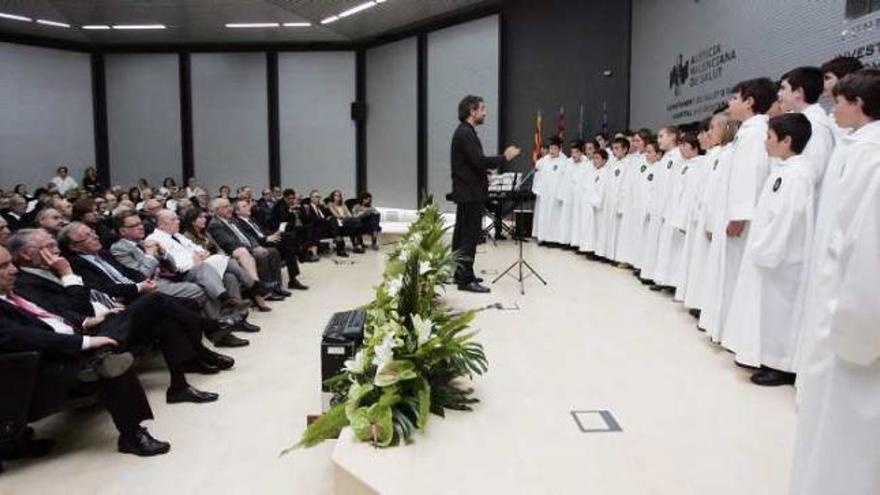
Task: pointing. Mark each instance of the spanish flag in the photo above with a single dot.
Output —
(539, 139)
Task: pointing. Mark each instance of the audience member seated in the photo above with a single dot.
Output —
(17, 216)
(263, 209)
(63, 182)
(73, 364)
(85, 211)
(232, 240)
(90, 181)
(370, 218)
(348, 224)
(4, 232)
(194, 226)
(50, 220)
(321, 224)
(286, 243)
(48, 282)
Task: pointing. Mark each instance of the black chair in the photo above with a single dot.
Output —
(18, 373)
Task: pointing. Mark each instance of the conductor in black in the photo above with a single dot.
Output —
(470, 187)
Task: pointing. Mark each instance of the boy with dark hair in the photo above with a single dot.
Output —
(759, 328)
(668, 176)
(799, 91)
(547, 173)
(833, 71)
(839, 353)
(749, 166)
(611, 208)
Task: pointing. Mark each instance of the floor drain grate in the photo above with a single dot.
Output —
(597, 421)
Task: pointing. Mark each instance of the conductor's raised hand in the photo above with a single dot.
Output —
(511, 152)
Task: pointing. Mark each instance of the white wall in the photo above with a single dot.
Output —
(143, 118)
(315, 91)
(46, 117)
(230, 121)
(462, 60)
(392, 124)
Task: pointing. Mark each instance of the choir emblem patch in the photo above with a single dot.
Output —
(651, 176)
(644, 167)
(715, 165)
(596, 179)
(684, 170)
(555, 167)
(669, 165)
(777, 184)
(617, 172)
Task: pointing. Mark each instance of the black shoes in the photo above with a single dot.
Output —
(274, 297)
(189, 394)
(220, 361)
(358, 250)
(296, 284)
(201, 367)
(342, 254)
(768, 377)
(245, 326)
(230, 340)
(141, 443)
(282, 292)
(694, 312)
(106, 365)
(474, 287)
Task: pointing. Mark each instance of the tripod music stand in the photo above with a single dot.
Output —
(518, 194)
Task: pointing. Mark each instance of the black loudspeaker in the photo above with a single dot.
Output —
(358, 111)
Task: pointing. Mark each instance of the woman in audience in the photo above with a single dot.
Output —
(142, 184)
(369, 217)
(90, 180)
(168, 188)
(351, 226)
(134, 195)
(224, 192)
(194, 226)
(192, 187)
(63, 182)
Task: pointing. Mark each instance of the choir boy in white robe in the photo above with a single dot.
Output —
(648, 190)
(547, 173)
(695, 181)
(799, 91)
(567, 194)
(600, 183)
(617, 169)
(721, 133)
(587, 218)
(668, 139)
(691, 176)
(580, 169)
(556, 228)
(632, 202)
(833, 71)
(760, 328)
(749, 168)
(839, 417)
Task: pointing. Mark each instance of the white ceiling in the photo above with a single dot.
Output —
(202, 21)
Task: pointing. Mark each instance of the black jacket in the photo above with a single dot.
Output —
(22, 332)
(225, 237)
(95, 278)
(73, 303)
(469, 166)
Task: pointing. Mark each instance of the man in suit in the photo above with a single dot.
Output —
(289, 211)
(25, 327)
(4, 231)
(470, 187)
(230, 238)
(47, 280)
(50, 220)
(17, 216)
(321, 224)
(285, 242)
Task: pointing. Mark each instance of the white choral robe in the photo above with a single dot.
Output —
(660, 173)
(578, 176)
(838, 429)
(648, 188)
(749, 167)
(694, 176)
(554, 226)
(587, 233)
(600, 191)
(699, 243)
(611, 207)
(671, 193)
(760, 327)
(566, 194)
(821, 143)
(715, 265)
(632, 210)
(544, 187)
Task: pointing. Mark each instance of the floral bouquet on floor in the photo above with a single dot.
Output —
(416, 349)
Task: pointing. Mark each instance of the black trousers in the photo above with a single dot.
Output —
(468, 223)
(289, 249)
(269, 266)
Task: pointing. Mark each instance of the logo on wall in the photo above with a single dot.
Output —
(678, 75)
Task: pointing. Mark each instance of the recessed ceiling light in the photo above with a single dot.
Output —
(330, 19)
(138, 26)
(96, 27)
(252, 24)
(52, 23)
(359, 8)
(15, 17)
(297, 24)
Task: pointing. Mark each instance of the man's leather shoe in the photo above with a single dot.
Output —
(768, 377)
(230, 340)
(245, 326)
(342, 254)
(296, 284)
(274, 297)
(106, 365)
(694, 312)
(201, 367)
(221, 361)
(189, 394)
(478, 280)
(358, 250)
(142, 443)
(474, 287)
(283, 292)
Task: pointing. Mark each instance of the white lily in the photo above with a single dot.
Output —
(423, 328)
(424, 267)
(384, 352)
(357, 365)
(394, 286)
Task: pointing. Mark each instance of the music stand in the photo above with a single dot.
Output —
(518, 194)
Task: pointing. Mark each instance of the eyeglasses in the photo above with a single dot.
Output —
(133, 226)
(89, 235)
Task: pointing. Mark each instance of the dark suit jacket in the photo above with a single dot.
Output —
(21, 332)
(225, 237)
(26, 220)
(72, 303)
(309, 215)
(95, 278)
(256, 235)
(469, 166)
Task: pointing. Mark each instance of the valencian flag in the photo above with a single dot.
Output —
(539, 138)
(560, 123)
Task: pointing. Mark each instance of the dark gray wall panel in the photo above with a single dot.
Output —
(143, 115)
(317, 134)
(46, 102)
(392, 124)
(230, 122)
